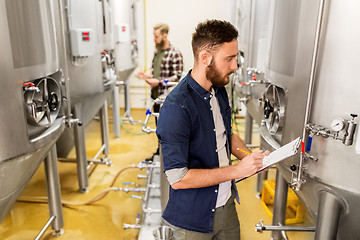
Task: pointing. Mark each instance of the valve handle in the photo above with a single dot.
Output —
(302, 147)
(29, 83)
(147, 112)
(308, 145)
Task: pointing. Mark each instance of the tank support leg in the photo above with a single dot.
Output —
(328, 217)
(280, 201)
(127, 99)
(79, 135)
(116, 111)
(248, 128)
(53, 190)
(104, 121)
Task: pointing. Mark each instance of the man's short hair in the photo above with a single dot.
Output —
(211, 34)
(164, 28)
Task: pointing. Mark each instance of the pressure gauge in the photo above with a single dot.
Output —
(337, 124)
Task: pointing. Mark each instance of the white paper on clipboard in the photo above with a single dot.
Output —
(282, 153)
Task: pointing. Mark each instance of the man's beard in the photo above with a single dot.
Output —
(214, 75)
(160, 45)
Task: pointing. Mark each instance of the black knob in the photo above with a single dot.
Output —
(268, 109)
(53, 101)
(79, 124)
(293, 168)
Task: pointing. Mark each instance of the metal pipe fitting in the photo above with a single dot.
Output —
(260, 227)
(131, 226)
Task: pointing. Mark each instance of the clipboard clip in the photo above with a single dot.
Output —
(296, 145)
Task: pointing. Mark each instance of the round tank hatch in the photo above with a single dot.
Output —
(274, 108)
(42, 101)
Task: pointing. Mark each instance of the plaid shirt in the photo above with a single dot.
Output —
(171, 66)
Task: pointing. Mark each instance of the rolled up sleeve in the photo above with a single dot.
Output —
(175, 175)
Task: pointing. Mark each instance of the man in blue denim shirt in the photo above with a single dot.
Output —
(194, 129)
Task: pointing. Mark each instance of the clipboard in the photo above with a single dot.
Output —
(279, 155)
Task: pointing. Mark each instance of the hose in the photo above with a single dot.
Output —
(94, 199)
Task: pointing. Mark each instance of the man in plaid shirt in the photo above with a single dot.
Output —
(166, 64)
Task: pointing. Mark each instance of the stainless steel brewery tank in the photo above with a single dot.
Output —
(31, 93)
(312, 51)
(88, 89)
(252, 20)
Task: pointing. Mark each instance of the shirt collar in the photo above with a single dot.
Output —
(166, 49)
(203, 93)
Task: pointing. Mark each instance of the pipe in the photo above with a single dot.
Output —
(250, 34)
(101, 194)
(145, 209)
(41, 233)
(145, 50)
(285, 228)
(65, 67)
(328, 217)
(319, 27)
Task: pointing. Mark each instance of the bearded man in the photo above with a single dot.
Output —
(167, 64)
(194, 129)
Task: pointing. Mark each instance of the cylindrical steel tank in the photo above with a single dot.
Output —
(313, 52)
(88, 89)
(125, 37)
(31, 96)
(252, 21)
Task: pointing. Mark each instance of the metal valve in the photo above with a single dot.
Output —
(350, 130)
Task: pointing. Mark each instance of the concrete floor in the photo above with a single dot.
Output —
(105, 219)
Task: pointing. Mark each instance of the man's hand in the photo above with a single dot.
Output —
(251, 164)
(153, 82)
(143, 75)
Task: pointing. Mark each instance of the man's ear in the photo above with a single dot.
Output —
(205, 57)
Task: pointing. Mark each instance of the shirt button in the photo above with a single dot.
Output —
(205, 98)
(211, 95)
(214, 130)
(215, 150)
(213, 210)
(216, 191)
(211, 109)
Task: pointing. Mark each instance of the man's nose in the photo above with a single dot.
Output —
(234, 65)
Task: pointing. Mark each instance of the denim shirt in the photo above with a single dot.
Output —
(186, 131)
